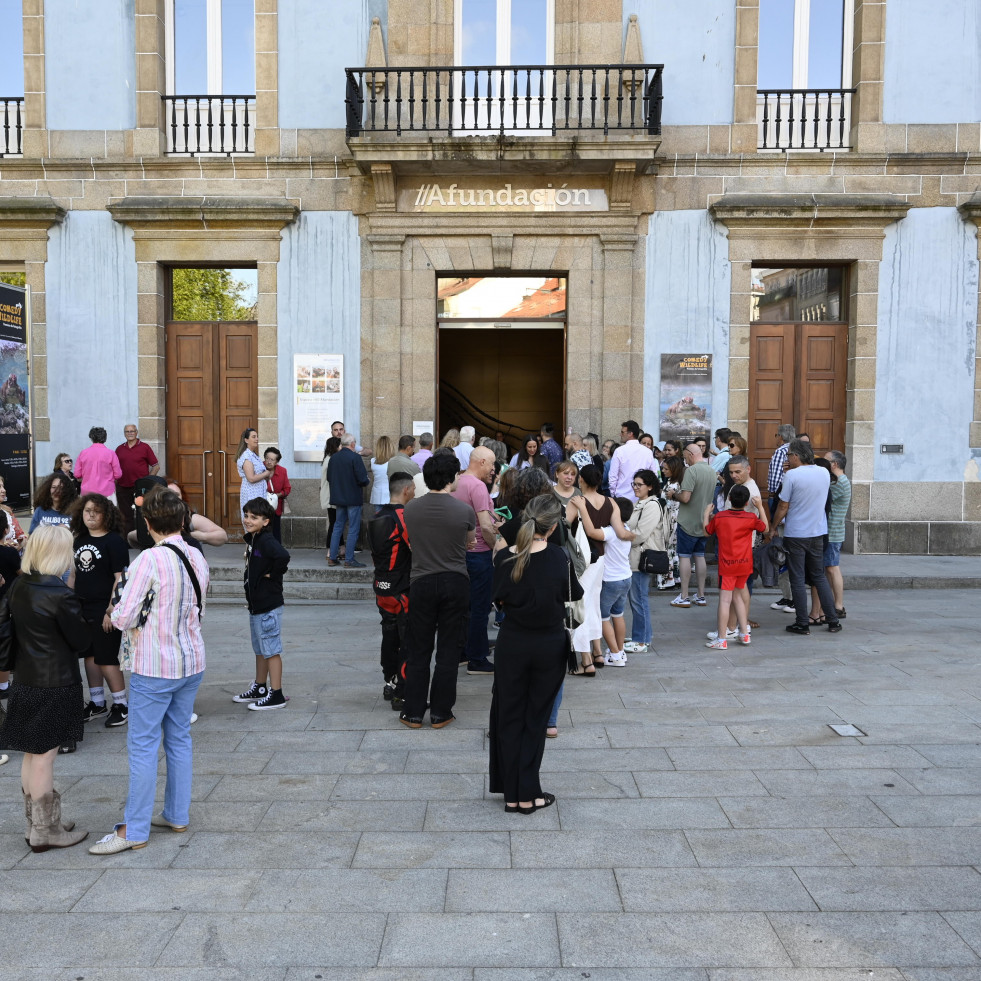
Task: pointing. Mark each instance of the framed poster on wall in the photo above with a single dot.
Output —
(15, 408)
(686, 396)
(318, 399)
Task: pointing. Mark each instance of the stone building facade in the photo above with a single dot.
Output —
(104, 198)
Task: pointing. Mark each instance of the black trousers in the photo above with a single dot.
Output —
(438, 618)
(805, 564)
(529, 667)
(394, 611)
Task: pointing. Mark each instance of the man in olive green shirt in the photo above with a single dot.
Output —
(696, 493)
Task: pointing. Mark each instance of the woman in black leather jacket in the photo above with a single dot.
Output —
(42, 635)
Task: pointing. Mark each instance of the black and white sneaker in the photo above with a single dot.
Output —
(256, 692)
(91, 710)
(274, 700)
(786, 605)
(118, 716)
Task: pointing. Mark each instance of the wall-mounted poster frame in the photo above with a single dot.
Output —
(16, 421)
(686, 396)
(318, 399)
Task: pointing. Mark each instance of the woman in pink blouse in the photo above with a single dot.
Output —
(97, 467)
(164, 596)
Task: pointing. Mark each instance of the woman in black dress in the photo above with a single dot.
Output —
(42, 635)
(532, 582)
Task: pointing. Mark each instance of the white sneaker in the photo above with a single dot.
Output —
(633, 647)
(194, 717)
(714, 634)
(745, 639)
(717, 645)
(616, 662)
(700, 601)
(786, 606)
(681, 601)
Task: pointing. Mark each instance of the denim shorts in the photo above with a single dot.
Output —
(613, 598)
(266, 629)
(689, 545)
(832, 554)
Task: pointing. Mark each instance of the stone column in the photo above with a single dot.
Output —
(267, 136)
(35, 138)
(151, 79)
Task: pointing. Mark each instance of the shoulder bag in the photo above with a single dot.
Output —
(572, 661)
(655, 560)
(271, 496)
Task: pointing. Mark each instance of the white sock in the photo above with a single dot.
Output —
(119, 698)
(98, 696)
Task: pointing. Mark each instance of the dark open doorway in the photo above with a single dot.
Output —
(507, 379)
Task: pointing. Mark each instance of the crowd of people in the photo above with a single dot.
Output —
(520, 567)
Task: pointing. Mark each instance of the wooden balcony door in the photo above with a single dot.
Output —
(797, 374)
(212, 395)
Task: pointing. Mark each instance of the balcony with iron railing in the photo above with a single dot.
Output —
(209, 125)
(11, 126)
(602, 110)
(804, 119)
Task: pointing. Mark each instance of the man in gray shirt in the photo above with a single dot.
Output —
(440, 528)
(803, 498)
(402, 461)
(696, 493)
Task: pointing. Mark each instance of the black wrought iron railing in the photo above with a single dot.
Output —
(804, 119)
(457, 410)
(504, 99)
(210, 124)
(11, 126)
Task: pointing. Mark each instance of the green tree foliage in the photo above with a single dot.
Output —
(214, 294)
(13, 278)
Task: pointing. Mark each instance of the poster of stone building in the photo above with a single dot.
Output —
(15, 416)
(686, 396)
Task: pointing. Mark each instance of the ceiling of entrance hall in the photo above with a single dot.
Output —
(504, 297)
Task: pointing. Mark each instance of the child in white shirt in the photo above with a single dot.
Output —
(616, 588)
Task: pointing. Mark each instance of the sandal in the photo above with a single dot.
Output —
(818, 621)
(753, 625)
(582, 672)
(549, 801)
(599, 662)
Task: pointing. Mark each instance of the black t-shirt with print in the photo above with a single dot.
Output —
(97, 560)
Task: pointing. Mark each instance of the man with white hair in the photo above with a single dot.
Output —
(465, 447)
(472, 489)
(347, 478)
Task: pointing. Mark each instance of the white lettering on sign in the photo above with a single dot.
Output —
(547, 198)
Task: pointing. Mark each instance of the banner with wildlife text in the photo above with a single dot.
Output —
(15, 410)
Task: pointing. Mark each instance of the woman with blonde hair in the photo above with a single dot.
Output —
(533, 580)
(451, 440)
(384, 451)
(42, 635)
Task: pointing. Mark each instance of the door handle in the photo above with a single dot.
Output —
(204, 478)
(224, 486)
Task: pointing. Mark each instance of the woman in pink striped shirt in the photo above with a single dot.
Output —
(161, 602)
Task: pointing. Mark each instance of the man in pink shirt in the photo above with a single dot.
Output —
(628, 458)
(472, 489)
(97, 467)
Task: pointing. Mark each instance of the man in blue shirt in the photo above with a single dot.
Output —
(551, 449)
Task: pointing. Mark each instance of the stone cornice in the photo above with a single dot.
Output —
(971, 209)
(810, 210)
(205, 212)
(36, 212)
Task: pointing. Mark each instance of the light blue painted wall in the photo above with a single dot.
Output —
(90, 299)
(90, 64)
(696, 43)
(933, 62)
(322, 40)
(319, 312)
(687, 303)
(928, 305)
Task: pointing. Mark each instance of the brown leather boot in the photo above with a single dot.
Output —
(46, 829)
(67, 825)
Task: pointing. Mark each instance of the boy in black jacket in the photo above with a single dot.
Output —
(265, 562)
(392, 556)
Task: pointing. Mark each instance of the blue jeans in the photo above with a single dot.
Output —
(155, 704)
(553, 717)
(352, 518)
(480, 567)
(640, 607)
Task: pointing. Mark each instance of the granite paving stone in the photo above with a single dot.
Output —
(623, 736)
(142, 890)
(820, 812)
(920, 735)
(532, 891)
(783, 734)
(968, 927)
(822, 783)
(670, 939)
(952, 755)
(647, 813)
(600, 849)
(273, 939)
(313, 786)
(949, 780)
(293, 762)
(44, 891)
(871, 939)
(429, 850)
(862, 757)
(883, 889)
(748, 847)
(808, 974)
(933, 811)
(738, 758)
(366, 815)
(475, 939)
(700, 783)
(910, 846)
(349, 891)
(483, 815)
(712, 890)
(415, 786)
(268, 850)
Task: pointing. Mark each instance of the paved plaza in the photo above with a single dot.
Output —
(710, 826)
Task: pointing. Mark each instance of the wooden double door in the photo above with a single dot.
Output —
(212, 395)
(797, 375)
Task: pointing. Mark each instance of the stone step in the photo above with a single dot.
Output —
(229, 589)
